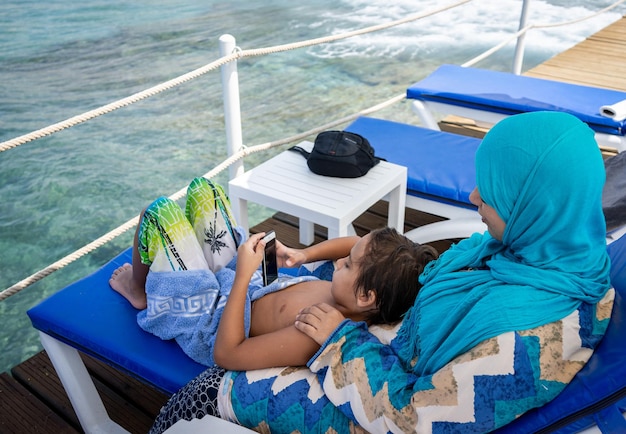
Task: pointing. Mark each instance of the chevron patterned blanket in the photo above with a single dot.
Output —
(357, 384)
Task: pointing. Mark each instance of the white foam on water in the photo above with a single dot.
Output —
(481, 23)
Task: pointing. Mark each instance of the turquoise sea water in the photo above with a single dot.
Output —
(59, 59)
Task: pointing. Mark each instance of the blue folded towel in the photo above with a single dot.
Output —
(187, 305)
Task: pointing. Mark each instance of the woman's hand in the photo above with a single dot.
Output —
(250, 255)
(288, 257)
(318, 321)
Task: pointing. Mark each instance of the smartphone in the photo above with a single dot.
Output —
(270, 266)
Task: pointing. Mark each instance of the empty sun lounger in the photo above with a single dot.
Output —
(489, 96)
(441, 173)
(441, 176)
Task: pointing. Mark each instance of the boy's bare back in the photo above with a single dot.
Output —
(278, 310)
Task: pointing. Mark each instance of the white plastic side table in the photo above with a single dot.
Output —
(285, 183)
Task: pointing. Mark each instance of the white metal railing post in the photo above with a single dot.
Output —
(518, 60)
(232, 109)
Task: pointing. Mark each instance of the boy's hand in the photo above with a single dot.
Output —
(318, 321)
(250, 255)
(288, 257)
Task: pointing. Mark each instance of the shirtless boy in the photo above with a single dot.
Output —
(375, 280)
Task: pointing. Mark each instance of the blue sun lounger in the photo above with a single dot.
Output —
(88, 316)
(489, 96)
(596, 397)
(440, 173)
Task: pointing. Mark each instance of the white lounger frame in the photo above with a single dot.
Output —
(425, 109)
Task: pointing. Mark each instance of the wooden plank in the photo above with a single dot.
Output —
(579, 77)
(294, 223)
(122, 412)
(600, 47)
(607, 66)
(580, 58)
(615, 32)
(596, 61)
(597, 82)
(21, 411)
(132, 390)
(285, 232)
(40, 378)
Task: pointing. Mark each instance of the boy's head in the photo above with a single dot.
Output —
(390, 267)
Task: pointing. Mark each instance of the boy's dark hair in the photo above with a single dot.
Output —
(390, 267)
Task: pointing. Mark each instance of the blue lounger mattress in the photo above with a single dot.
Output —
(509, 94)
(440, 165)
(90, 316)
(597, 394)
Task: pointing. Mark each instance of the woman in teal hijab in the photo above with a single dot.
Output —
(539, 188)
(544, 184)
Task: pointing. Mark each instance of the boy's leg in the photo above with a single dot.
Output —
(166, 241)
(130, 281)
(139, 269)
(208, 210)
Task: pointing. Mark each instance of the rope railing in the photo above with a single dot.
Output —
(238, 54)
(578, 20)
(246, 151)
(108, 108)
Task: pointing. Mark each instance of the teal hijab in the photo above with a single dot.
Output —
(543, 174)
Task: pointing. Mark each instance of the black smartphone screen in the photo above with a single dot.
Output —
(270, 266)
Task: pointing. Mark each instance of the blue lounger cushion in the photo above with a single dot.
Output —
(509, 94)
(91, 317)
(597, 394)
(440, 165)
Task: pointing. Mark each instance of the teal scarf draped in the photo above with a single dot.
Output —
(543, 174)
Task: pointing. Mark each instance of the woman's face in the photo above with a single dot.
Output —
(495, 225)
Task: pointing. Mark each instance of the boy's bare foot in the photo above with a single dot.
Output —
(122, 282)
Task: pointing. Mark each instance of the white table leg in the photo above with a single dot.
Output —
(397, 203)
(79, 386)
(240, 211)
(307, 232)
(343, 231)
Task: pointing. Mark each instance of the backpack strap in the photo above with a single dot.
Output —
(302, 151)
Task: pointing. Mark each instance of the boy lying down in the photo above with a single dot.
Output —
(194, 280)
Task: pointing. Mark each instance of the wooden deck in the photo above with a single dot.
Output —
(597, 61)
(32, 399)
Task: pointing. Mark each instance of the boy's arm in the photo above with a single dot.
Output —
(285, 347)
(333, 249)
